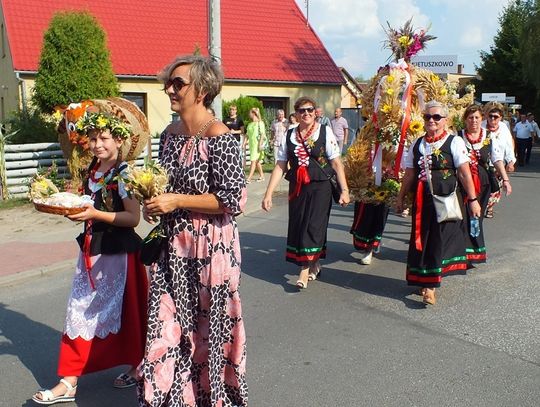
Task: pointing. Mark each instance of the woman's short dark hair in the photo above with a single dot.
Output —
(472, 109)
(303, 100)
(205, 75)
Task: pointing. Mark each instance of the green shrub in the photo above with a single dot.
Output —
(244, 105)
(74, 63)
(31, 126)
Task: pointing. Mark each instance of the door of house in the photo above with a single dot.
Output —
(272, 105)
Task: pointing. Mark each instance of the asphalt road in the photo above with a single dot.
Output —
(357, 337)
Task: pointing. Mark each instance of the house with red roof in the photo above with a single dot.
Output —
(268, 50)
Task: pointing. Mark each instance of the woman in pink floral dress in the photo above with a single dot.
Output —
(195, 352)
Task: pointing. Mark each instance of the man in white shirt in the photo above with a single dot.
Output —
(534, 125)
(340, 127)
(524, 134)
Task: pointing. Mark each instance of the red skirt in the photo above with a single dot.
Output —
(79, 356)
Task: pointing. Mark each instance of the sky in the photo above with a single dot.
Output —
(352, 30)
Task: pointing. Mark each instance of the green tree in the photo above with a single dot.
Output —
(501, 69)
(530, 47)
(244, 105)
(74, 63)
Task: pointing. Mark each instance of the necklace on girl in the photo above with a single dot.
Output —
(101, 179)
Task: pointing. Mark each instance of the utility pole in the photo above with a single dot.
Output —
(214, 43)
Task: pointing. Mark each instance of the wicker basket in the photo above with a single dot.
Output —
(57, 210)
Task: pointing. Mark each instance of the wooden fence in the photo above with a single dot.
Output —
(22, 161)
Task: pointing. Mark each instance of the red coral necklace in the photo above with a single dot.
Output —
(470, 138)
(434, 139)
(92, 175)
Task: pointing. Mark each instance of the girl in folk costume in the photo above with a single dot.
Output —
(106, 314)
(482, 151)
(312, 154)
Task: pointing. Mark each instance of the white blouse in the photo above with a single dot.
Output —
(332, 147)
(457, 147)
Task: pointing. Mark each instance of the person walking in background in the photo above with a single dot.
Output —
(312, 155)
(278, 129)
(524, 134)
(534, 125)
(292, 121)
(235, 123)
(340, 127)
(196, 342)
(106, 315)
(436, 249)
(483, 152)
(236, 126)
(500, 135)
(256, 137)
(321, 118)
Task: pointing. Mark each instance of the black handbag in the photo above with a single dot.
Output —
(336, 189)
(152, 245)
(493, 181)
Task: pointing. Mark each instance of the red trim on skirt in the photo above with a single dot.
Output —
(306, 257)
(477, 257)
(78, 356)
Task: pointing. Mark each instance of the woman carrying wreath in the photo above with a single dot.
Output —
(436, 249)
(196, 343)
(312, 154)
(483, 152)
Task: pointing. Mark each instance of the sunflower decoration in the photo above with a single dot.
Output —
(147, 181)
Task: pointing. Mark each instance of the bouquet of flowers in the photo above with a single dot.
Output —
(146, 182)
(41, 188)
(384, 193)
(406, 42)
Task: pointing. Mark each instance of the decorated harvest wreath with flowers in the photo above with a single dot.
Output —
(393, 106)
(99, 121)
(121, 116)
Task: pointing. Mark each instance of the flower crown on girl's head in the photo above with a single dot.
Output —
(100, 121)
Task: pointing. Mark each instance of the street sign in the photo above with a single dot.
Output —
(493, 97)
(510, 99)
(436, 63)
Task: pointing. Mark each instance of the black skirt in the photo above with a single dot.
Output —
(443, 245)
(368, 225)
(309, 213)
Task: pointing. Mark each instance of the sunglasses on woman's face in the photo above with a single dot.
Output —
(303, 110)
(494, 116)
(177, 84)
(437, 117)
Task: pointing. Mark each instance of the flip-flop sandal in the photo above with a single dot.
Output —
(124, 381)
(48, 398)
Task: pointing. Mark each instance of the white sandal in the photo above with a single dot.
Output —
(48, 398)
